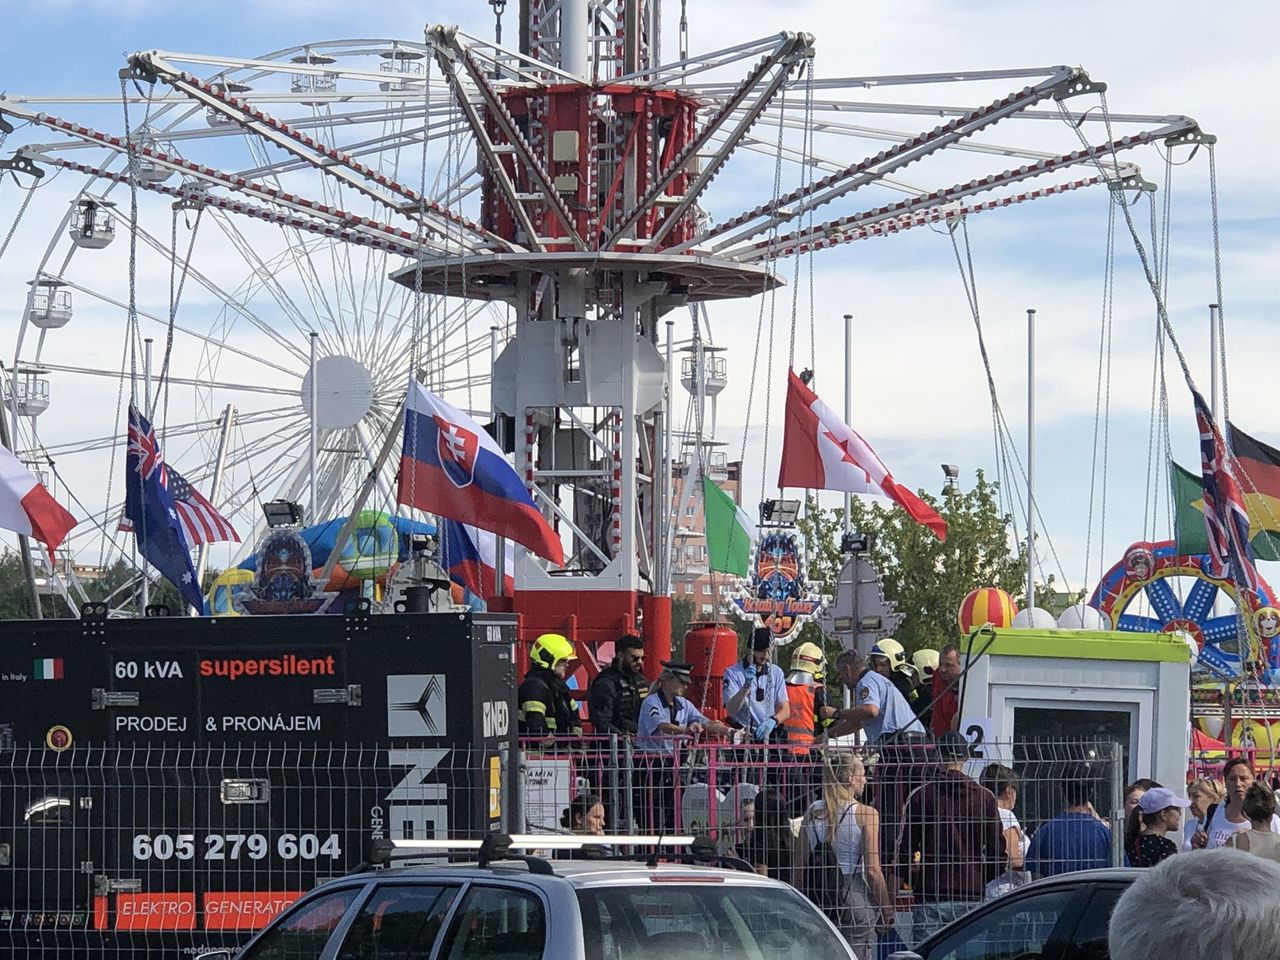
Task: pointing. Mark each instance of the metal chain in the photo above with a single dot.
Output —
(175, 297)
(13, 227)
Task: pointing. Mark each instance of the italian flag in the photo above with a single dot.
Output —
(26, 507)
(50, 668)
(730, 532)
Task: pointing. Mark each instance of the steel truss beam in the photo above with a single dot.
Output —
(771, 71)
(823, 235)
(823, 191)
(448, 50)
(335, 163)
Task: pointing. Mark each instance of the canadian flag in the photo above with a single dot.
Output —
(822, 452)
(27, 507)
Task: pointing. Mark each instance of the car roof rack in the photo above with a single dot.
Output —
(496, 847)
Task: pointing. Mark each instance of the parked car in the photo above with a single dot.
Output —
(532, 908)
(1060, 918)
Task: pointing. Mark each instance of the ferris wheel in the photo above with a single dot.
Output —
(393, 198)
(228, 304)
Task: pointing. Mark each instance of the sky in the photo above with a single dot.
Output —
(919, 394)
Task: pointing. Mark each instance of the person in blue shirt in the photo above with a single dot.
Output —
(879, 710)
(755, 692)
(665, 715)
(1075, 839)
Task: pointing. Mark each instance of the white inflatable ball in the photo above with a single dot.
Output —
(1082, 617)
(1034, 618)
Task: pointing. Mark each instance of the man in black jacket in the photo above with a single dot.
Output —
(616, 694)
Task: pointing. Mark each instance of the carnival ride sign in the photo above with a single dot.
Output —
(776, 595)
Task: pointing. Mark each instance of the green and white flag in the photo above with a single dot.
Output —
(730, 532)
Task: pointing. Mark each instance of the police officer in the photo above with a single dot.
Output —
(755, 691)
(888, 659)
(615, 695)
(879, 710)
(664, 715)
(547, 708)
(807, 698)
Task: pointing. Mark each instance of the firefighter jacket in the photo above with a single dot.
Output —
(614, 700)
(546, 705)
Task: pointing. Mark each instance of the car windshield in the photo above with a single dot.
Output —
(700, 921)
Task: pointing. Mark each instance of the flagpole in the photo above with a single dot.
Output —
(1031, 456)
(24, 544)
(215, 486)
(313, 433)
(146, 407)
(666, 526)
(499, 543)
(848, 399)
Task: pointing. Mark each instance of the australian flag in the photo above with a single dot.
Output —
(1226, 520)
(150, 509)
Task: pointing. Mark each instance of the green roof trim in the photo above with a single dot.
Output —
(1081, 645)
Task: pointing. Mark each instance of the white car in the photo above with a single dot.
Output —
(531, 908)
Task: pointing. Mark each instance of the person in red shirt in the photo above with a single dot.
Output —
(946, 691)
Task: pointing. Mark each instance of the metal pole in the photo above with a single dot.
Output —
(1031, 457)
(668, 523)
(348, 527)
(848, 403)
(146, 405)
(314, 435)
(574, 18)
(500, 543)
(24, 543)
(215, 487)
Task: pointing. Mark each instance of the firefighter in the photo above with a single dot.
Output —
(547, 708)
(887, 659)
(616, 693)
(807, 696)
(926, 662)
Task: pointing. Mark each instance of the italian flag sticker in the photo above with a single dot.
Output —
(47, 669)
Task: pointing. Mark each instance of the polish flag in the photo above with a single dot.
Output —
(27, 507)
(822, 452)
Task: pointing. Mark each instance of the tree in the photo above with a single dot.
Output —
(926, 578)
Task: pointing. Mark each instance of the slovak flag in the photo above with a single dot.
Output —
(452, 468)
(26, 507)
(822, 452)
(471, 557)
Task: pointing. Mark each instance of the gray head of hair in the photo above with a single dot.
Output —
(1212, 903)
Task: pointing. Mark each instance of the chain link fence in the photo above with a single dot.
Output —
(171, 850)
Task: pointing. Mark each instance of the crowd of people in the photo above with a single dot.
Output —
(857, 822)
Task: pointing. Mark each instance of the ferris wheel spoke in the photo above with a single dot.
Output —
(178, 328)
(1163, 601)
(1219, 630)
(1200, 600)
(1133, 623)
(184, 381)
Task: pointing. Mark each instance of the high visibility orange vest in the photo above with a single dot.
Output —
(799, 724)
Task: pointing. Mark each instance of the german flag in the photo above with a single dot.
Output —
(1258, 469)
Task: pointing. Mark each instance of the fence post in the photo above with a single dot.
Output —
(628, 789)
(616, 812)
(1117, 804)
(517, 793)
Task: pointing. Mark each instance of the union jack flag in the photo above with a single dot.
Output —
(1226, 520)
(200, 521)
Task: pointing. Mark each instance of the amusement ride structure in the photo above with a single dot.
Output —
(522, 227)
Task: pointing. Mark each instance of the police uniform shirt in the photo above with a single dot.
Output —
(768, 692)
(895, 713)
(656, 710)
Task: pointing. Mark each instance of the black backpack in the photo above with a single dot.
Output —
(824, 881)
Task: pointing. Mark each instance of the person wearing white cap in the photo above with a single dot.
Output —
(1160, 810)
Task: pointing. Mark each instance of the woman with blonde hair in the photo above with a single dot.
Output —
(1205, 795)
(844, 875)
